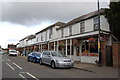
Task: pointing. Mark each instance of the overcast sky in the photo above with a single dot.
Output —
(20, 19)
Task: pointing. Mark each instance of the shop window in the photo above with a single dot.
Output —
(89, 47)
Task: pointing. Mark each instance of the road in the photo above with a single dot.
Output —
(18, 67)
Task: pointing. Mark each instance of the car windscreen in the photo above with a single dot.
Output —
(37, 54)
(56, 54)
(13, 51)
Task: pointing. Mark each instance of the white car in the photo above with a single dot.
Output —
(13, 52)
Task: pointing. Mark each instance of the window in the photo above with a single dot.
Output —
(37, 39)
(82, 27)
(62, 32)
(70, 30)
(41, 37)
(90, 47)
(96, 23)
(50, 33)
(46, 36)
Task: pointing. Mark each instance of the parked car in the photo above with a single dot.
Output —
(13, 53)
(56, 60)
(34, 57)
(1, 52)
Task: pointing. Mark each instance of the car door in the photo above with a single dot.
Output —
(30, 56)
(44, 57)
(48, 58)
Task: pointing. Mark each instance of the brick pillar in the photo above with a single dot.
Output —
(116, 55)
(103, 52)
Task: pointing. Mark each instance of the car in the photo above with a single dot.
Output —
(1, 52)
(13, 53)
(34, 57)
(56, 60)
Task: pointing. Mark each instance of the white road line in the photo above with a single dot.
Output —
(21, 75)
(32, 75)
(10, 66)
(9, 60)
(2, 60)
(17, 65)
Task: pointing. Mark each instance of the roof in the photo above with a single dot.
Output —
(56, 24)
(28, 37)
(84, 17)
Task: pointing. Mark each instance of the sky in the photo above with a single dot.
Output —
(22, 18)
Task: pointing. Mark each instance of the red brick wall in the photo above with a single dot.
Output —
(116, 55)
(103, 52)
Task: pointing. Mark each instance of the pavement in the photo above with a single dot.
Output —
(103, 70)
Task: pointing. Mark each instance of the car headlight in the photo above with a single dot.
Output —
(38, 57)
(72, 60)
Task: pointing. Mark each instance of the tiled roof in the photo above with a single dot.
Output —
(84, 17)
(56, 24)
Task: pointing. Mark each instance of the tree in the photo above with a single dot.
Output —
(113, 17)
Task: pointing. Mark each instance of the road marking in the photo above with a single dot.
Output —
(32, 75)
(22, 72)
(2, 60)
(9, 60)
(17, 65)
(10, 66)
(21, 75)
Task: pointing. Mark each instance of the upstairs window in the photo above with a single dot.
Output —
(62, 32)
(82, 27)
(50, 33)
(46, 36)
(96, 23)
(70, 30)
(41, 37)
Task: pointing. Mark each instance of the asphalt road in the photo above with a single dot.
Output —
(18, 67)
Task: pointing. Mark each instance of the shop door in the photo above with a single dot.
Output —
(109, 59)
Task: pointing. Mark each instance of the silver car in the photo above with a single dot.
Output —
(56, 60)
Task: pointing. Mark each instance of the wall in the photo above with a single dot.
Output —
(116, 55)
(89, 25)
(76, 28)
(104, 24)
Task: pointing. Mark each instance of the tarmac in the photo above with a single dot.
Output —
(103, 71)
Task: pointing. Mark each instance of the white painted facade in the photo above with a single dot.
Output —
(56, 36)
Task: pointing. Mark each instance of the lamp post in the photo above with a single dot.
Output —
(99, 42)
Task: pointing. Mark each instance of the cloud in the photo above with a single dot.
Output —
(20, 19)
(32, 13)
(12, 33)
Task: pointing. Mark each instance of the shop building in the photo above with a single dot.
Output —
(77, 38)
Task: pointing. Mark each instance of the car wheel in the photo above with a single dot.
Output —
(41, 62)
(53, 65)
(28, 60)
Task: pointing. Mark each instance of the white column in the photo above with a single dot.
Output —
(57, 45)
(48, 46)
(54, 45)
(66, 47)
(41, 47)
(70, 47)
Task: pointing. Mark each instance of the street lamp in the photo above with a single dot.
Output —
(99, 42)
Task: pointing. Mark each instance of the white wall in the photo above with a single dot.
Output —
(76, 28)
(104, 24)
(66, 31)
(89, 25)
